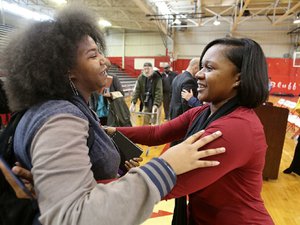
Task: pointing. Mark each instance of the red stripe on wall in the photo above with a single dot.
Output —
(285, 78)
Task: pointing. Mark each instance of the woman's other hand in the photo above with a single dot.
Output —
(135, 162)
(109, 130)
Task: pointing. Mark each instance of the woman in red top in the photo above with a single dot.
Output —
(233, 80)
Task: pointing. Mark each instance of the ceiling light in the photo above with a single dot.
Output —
(162, 8)
(216, 22)
(60, 2)
(177, 22)
(23, 12)
(104, 23)
(297, 19)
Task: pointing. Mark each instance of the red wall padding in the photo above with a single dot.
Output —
(5, 118)
(129, 63)
(285, 78)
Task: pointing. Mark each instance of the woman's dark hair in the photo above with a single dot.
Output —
(3, 100)
(250, 61)
(38, 59)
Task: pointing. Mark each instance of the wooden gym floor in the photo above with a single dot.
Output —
(281, 196)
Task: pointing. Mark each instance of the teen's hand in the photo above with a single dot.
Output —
(185, 156)
(109, 130)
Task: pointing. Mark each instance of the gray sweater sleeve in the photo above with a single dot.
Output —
(67, 192)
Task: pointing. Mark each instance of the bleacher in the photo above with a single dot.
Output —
(4, 35)
(127, 81)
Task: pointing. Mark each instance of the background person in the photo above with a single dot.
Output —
(233, 79)
(150, 91)
(187, 81)
(167, 78)
(109, 105)
(295, 164)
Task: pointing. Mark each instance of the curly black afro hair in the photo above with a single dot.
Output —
(37, 59)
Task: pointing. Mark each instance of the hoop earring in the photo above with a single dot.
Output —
(73, 87)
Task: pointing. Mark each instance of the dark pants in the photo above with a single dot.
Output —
(141, 107)
(103, 120)
(180, 211)
(166, 101)
(295, 165)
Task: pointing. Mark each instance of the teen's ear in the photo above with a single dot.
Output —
(71, 74)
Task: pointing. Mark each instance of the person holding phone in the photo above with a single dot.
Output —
(56, 78)
(22, 190)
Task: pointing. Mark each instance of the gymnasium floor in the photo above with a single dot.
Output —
(281, 196)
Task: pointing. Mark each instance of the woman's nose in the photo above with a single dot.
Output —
(199, 74)
(102, 60)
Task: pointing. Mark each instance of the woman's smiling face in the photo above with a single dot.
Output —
(218, 79)
(89, 73)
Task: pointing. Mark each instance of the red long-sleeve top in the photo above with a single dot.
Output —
(228, 194)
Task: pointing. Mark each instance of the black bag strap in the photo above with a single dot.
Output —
(7, 135)
(84, 108)
(91, 138)
(203, 120)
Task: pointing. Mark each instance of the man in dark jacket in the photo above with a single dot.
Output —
(186, 81)
(167, 79)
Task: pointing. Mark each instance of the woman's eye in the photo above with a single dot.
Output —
(93, 56)
(208, 68)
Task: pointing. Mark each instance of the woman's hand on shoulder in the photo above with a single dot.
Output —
(186, 156)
